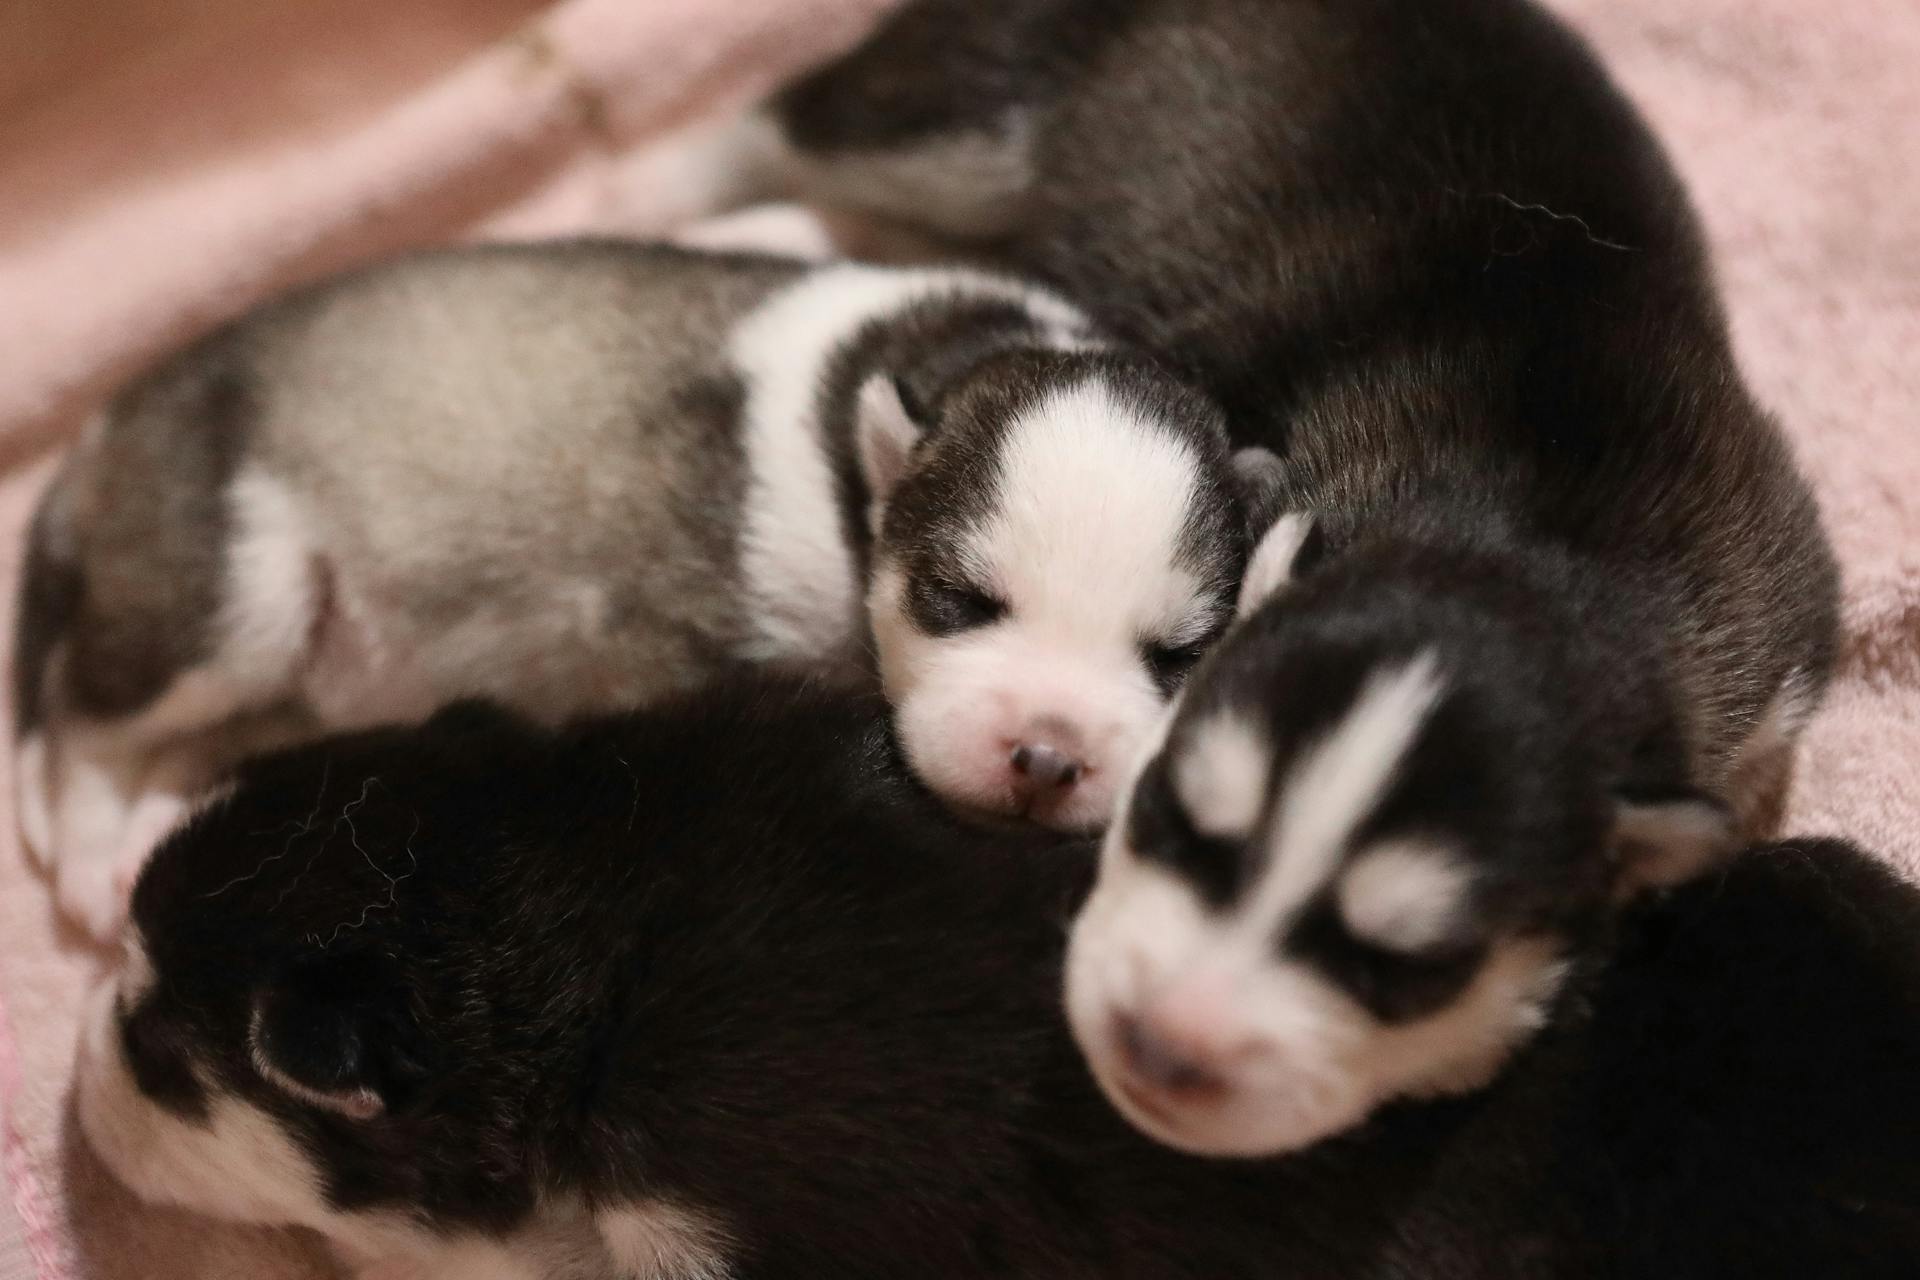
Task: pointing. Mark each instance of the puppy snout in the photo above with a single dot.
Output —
(1045, 761)
(1041, 766)
(1168, 1063)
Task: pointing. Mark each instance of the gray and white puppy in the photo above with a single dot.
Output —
(1552, 601)
(579, 476)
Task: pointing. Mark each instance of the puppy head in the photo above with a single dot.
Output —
(272, 1048)
(1355, 865)
(1056, 542)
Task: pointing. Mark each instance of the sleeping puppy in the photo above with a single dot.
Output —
(1549, 604)
(575, 477)
(716, 990)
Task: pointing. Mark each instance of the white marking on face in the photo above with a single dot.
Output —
(1220, 775)
(1336, 783)
(1297, 1057)
(1403, 895)
(799, 575)
(1271, 565)
(660, 1240)
(1082, 544)
(237, 1165)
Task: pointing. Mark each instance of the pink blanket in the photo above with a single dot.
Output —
(181, 172)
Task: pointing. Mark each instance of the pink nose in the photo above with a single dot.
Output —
(1165, 1063)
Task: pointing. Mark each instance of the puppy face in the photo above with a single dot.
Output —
(1350, 872)
(1058, 548)
(257, 1057)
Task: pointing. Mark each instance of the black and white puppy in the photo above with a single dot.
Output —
(1562, 602)
(717, 991)
(575, 477)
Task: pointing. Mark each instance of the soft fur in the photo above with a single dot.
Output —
(1428, 254)
(576, 477)
(720, 984)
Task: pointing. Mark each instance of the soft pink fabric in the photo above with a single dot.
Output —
(1795, 124)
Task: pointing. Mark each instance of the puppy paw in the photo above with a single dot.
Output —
(789, 230)
(90, 892)
(33, 798)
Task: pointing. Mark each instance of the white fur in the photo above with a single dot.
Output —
(240, 1165)
(1301, 1059)
(1403, 894)
(799, 578)
(659, 1240)
(1271, 565)
(136, 970)
(1336, 783)
(1221, 776)
(33, 794)
(1080, 542)
(271, 591)
(790, 230)
(237, 1165)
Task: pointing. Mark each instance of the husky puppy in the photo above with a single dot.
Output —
(718, 988)
(1560, 602)
(579, 476)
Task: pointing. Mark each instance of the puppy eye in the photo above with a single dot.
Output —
(1169, 664)
(947, 608)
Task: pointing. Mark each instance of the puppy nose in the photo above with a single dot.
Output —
(1042, 766)
(1164, 1063)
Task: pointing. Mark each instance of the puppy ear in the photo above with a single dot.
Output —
(1260, 477)
(1666, 840)
(887, 424)
(1288, 549)
(332, 1031)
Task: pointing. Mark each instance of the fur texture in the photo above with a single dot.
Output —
(1431, 257)
(583, 476)
(720, 980)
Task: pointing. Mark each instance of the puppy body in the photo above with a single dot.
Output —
(720, 982)
(579, 477)
(1546, 587)
(1429, 255)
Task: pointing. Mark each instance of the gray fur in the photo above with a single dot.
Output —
(568, 478)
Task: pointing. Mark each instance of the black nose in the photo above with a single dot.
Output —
(1045, 767)
(1157, 1061)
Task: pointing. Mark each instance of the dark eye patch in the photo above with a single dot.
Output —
(1160, 832)
(1394, 986)
(944, 607)
(158, 1057)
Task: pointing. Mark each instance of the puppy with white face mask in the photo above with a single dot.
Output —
(576, 477)
(1561, 602)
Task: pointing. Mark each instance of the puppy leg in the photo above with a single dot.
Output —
(789, 230)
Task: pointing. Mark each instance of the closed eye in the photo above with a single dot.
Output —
(946, 608)
(1169, 664)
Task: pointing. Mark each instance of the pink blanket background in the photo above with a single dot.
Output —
(164, 164)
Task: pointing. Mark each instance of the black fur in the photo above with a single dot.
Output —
(1422, 248)
(726, 952)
